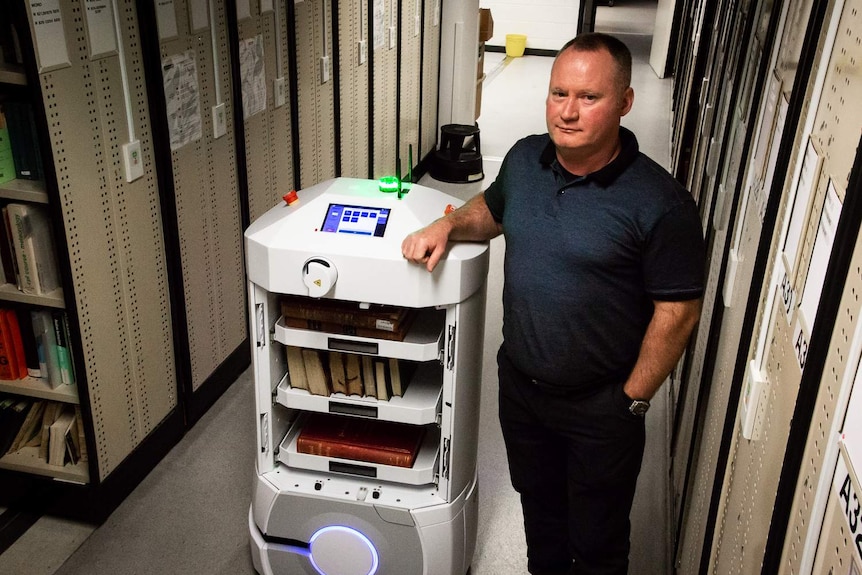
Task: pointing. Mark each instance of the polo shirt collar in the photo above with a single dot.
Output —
(628, 152)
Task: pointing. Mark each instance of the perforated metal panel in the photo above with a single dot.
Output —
(114, 234)
(207, 205)
(741, 538)
(837, 121)
(315, 97)
(385, 86)
(354, 78)
(837, 551)
(733, 527)
(409, 81)
(430, 77)
(268, 142)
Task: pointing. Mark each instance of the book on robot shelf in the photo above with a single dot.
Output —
(360, 439)
(347, 318)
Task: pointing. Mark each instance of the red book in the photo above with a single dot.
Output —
(10, 320)
(8, 355)
(369, 440)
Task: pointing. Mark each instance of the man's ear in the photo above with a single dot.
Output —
(627, 101)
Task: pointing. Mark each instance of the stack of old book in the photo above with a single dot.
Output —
(52, 429)
(328, 372)
(347, 318)
(359, 439)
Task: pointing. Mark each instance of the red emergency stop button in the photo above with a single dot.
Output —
(291, 197)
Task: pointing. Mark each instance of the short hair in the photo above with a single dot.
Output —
(597, 41)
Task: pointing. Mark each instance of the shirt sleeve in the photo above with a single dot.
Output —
(674, 257)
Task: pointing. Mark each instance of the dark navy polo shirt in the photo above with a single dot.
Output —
(585, 258)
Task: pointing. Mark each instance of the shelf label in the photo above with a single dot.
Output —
(49, 34)
(101, 33)
(846, 486)
(166, 19)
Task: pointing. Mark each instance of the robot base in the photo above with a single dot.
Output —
(319, 536)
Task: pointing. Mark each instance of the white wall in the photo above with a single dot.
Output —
(548, 24)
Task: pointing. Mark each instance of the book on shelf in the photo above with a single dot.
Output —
(7, 252)
(369, 378)
(28, 341)
(13, 412)
(33, 247)
(54, 429)
(10, 47)
(353, 374)
(31, 428)
(338, 316)
(337, 377)
(296, 367)
(324, 373)
(21, 123)
(47, 346)
(360, 439)
(345, 329)
(380, 383)
(49, 416)
(7, 164)
(318, 381)
(58, 444)
(64, 353)
(13, 364)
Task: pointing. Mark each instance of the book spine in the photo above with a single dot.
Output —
(20, 364)
(7, 225)
(373, 319)
(23, 137)
(363, 453)
(43, 329)
(28, 340)
(343, 329)
(23, 254)
(64, 355)
(7, 352)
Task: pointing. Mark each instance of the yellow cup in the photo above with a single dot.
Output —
(515, 44)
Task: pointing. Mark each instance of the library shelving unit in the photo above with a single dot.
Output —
(341, 240)
(32, 192)
(84, 79)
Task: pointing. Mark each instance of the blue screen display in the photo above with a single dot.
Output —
(358, 220)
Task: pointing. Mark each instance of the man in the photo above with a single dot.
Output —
(603, 278)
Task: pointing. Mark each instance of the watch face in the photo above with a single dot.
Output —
(639, 407)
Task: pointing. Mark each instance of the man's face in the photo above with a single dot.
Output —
(585, 102)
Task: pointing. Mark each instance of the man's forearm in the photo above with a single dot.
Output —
(473, 221)
(664, 343)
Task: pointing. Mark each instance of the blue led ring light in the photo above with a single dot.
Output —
(357, 536)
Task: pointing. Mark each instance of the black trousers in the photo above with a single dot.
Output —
(574, 459)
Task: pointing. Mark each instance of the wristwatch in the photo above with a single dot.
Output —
(639, 407)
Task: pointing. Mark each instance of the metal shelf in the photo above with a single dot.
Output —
(25, 191)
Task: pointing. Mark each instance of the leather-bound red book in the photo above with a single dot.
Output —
(369, 440)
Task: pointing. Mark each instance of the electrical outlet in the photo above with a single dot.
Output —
(393, 37)
(324, 69)
(363, 51)
(133, 163)
(279, 92)
(219, 121)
